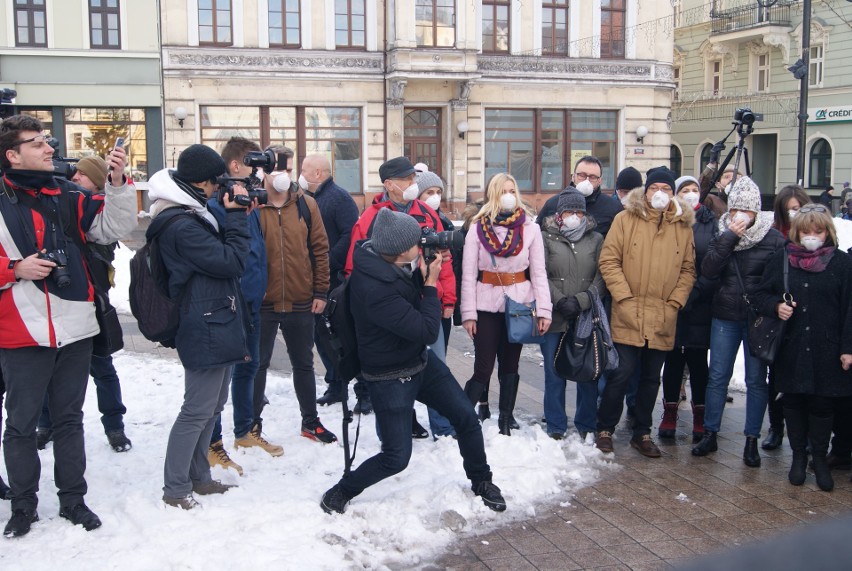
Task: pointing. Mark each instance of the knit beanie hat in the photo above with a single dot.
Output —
(427, 179)
(199, 163)
(660, 174)
(570, 199)
(682, 181)
(95, 168)
(744, 196)
(628, 179)
(394, 232)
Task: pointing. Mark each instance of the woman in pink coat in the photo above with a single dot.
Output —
(503, 255)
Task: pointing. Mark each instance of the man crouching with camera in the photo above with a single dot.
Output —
(397, 315)
(47, 311)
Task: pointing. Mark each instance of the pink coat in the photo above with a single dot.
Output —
(477, 296)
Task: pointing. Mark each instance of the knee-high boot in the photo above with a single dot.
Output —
(508, 396)
(797, 434)
(819, 434)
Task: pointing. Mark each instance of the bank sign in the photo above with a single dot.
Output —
(830, 114)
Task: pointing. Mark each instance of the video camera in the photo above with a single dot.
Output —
(744, 119)
(265, 160)
(62, 166)
(431, 242)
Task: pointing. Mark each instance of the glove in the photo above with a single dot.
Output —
(568, 307)
(715, 151)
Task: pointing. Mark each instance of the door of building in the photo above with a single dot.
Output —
(764, 163)
(422, 137)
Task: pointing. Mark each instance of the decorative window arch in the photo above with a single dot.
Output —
(676, 160)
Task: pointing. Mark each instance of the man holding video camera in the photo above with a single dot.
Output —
(47, 311)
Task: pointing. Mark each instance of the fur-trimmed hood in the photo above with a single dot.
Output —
(678, 210)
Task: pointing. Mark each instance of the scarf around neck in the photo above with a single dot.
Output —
(754, 234)
(804, 259)
(575, 234)
(513, 243)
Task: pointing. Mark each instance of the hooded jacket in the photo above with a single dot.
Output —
(648, 264)
(601, 207)
(40, 313)
(572, 269)
(204, 262)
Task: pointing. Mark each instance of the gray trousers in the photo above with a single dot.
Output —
(63, 375)
(205, 394)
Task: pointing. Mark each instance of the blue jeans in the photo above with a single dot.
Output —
(725, 339)
(242, 386)
(393, 402)
(439, 425)
(554, 394)
(108, 391)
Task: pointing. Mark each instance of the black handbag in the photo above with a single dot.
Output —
(765, 333)
(582, 359)
(110, 338)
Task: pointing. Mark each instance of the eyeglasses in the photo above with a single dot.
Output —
(584, 176)
(813, 208)
(45, 137)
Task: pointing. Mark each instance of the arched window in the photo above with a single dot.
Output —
(422, 136)
(820, 164)
(705, 156)
(675, 160)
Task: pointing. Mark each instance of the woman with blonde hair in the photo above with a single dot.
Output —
(503, 256)
(812, 369)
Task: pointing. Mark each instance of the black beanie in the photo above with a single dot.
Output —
(660, 174)
(628, 179)
(199, 163)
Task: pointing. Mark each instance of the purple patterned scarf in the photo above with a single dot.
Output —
(513, 243)
(804, 259)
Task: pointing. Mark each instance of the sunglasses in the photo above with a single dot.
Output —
(813, 208)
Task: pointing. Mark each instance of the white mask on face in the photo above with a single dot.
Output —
(812, 243)
(508, 202)
(303, 182)
(792, 214)
(742, 217)
(259, 175)
(623, 199)
(282, 182)
(434, 201)
(571, 222)
(411, 192)
(660, 200)
(410, 267)
(691, 198)
(586, 188)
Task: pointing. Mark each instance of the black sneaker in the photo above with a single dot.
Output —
(491, 496)
(20, 522)
(334, 500)
(5, 491)
(43, 436)
(316, 431)
(417, 430)
(80, 514)
(118, 440)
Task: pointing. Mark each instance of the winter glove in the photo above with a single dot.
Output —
(568, 307)
(715, 151)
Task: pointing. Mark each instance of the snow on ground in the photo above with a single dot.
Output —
(273, 519)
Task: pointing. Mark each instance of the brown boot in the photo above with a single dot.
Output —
(645, 446)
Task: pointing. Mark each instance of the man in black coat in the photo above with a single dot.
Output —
(397, 315)
(587, 179)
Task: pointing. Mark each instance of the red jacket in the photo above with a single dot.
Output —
(427, 218)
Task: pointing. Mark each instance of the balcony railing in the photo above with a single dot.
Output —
(751, 16)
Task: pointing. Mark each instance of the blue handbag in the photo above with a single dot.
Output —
(521, 322)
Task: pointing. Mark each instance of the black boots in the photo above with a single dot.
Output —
(697, 423)
(751, 457)
(474, 391)
(707, 445)
(797, 434)
(333, 394)
(819, 434)
(773, 438)
(508, 396)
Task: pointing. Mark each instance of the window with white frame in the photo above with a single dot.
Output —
(715, 69)
(762, 64)
(676, 71)
(815, 68)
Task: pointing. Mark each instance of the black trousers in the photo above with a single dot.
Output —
(699, 371)
(29, 374)
(650, 362)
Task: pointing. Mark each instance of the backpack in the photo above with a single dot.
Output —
(338, 331)
(157, 314)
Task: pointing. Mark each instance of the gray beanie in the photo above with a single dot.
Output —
(571, 199)
(744, 196)
(426, 180)
(682, 181)
(394, 232)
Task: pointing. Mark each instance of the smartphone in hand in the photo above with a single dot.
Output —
(118, 143)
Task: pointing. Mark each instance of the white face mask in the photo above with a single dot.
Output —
(623, 199)
(792, 214)
(508, 202)
(812, 243)
(660, 200)
(434, 201)
(571, 222)
(282, 182)
(586, 188)
(303, 182)
(742, 217)
(691, 198)
(260, 175)
(410, 267)
(411, 192)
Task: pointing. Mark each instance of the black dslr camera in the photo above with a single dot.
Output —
(62, 166)
(61, 274)
(256, 160)
(431, 242)
(744, 119)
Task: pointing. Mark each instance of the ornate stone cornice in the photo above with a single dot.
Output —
(272, 60)
(553, 68)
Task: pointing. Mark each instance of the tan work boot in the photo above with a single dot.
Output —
(218, 456)
(253, 438)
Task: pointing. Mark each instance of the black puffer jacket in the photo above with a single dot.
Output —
(693, 321)
(728, 303)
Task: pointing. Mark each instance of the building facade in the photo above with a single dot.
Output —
(735, 53)
(90, 70)
(469, 88)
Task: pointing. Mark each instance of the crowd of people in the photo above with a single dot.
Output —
(677, 267)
